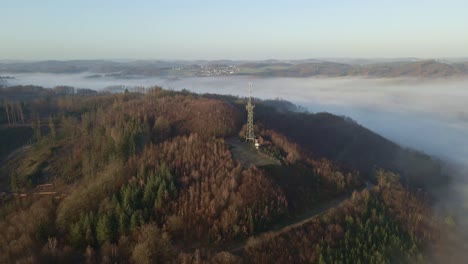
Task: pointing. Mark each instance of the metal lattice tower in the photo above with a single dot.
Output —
(250, 136)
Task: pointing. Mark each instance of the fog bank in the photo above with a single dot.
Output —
(427, 115)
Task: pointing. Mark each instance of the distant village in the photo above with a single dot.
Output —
(207, 71)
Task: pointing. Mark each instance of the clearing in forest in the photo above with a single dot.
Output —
(246, 154)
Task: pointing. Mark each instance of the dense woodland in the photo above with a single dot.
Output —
(146, 177)
(383, 224)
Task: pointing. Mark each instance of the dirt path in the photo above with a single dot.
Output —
(288, 224)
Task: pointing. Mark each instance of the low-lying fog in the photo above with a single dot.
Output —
(428, 115)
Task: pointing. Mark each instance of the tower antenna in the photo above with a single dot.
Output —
(250, 136)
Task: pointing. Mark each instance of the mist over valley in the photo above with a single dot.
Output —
(430, 115)
(425, 114)
(234, 132)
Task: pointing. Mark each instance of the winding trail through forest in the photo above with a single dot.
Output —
(288, 224)
(246, 154)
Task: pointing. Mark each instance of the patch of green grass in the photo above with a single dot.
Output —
(246, 154)
(24, 167)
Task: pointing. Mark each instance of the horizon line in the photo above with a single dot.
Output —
(237, 60)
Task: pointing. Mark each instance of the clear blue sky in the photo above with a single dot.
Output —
(236, 29)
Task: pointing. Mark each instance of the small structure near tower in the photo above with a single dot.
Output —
(250, 135)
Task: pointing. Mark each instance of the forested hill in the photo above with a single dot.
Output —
(405, 67)
(341, 139)
(149, 177)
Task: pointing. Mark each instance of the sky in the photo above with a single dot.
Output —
(149, 29)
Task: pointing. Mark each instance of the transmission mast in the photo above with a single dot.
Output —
(250, 136)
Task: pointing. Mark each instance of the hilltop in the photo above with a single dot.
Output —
(139, 177)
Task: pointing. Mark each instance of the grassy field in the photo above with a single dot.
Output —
(23, 168)
(246, 154)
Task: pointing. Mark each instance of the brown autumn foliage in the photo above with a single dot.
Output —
(384, 224)
(147, 176)
(24, 230)
(218, 199)
(410, 210)
(207, 257)
(292, 150)
(345, 142)
(322, 175)
(325, 168)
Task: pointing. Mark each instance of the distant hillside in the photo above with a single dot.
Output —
(268, 68)
(58, 66)
(428, 68)
(152, 68)
(312, 69)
